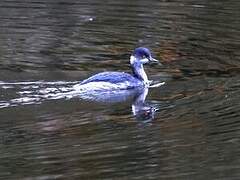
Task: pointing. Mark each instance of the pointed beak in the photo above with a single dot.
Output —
(152, 60)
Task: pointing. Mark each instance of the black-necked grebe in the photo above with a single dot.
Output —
(122, 80)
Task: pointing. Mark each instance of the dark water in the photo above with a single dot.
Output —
(188, 128)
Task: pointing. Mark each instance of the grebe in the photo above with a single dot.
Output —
(122, 80)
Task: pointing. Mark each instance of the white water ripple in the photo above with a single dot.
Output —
(24, 93)
(34, 92)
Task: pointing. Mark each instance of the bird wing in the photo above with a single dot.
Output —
(112, 77)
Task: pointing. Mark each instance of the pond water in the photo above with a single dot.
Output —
(188, 128)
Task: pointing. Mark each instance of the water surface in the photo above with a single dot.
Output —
(188, 128)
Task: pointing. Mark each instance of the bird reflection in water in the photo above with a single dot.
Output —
(143, 111)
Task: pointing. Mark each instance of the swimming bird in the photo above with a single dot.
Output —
(121, 80)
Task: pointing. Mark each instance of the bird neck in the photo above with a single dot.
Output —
(138, 72)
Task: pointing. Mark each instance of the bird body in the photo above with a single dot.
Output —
(121, 80)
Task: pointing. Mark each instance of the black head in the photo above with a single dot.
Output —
(142, 55)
